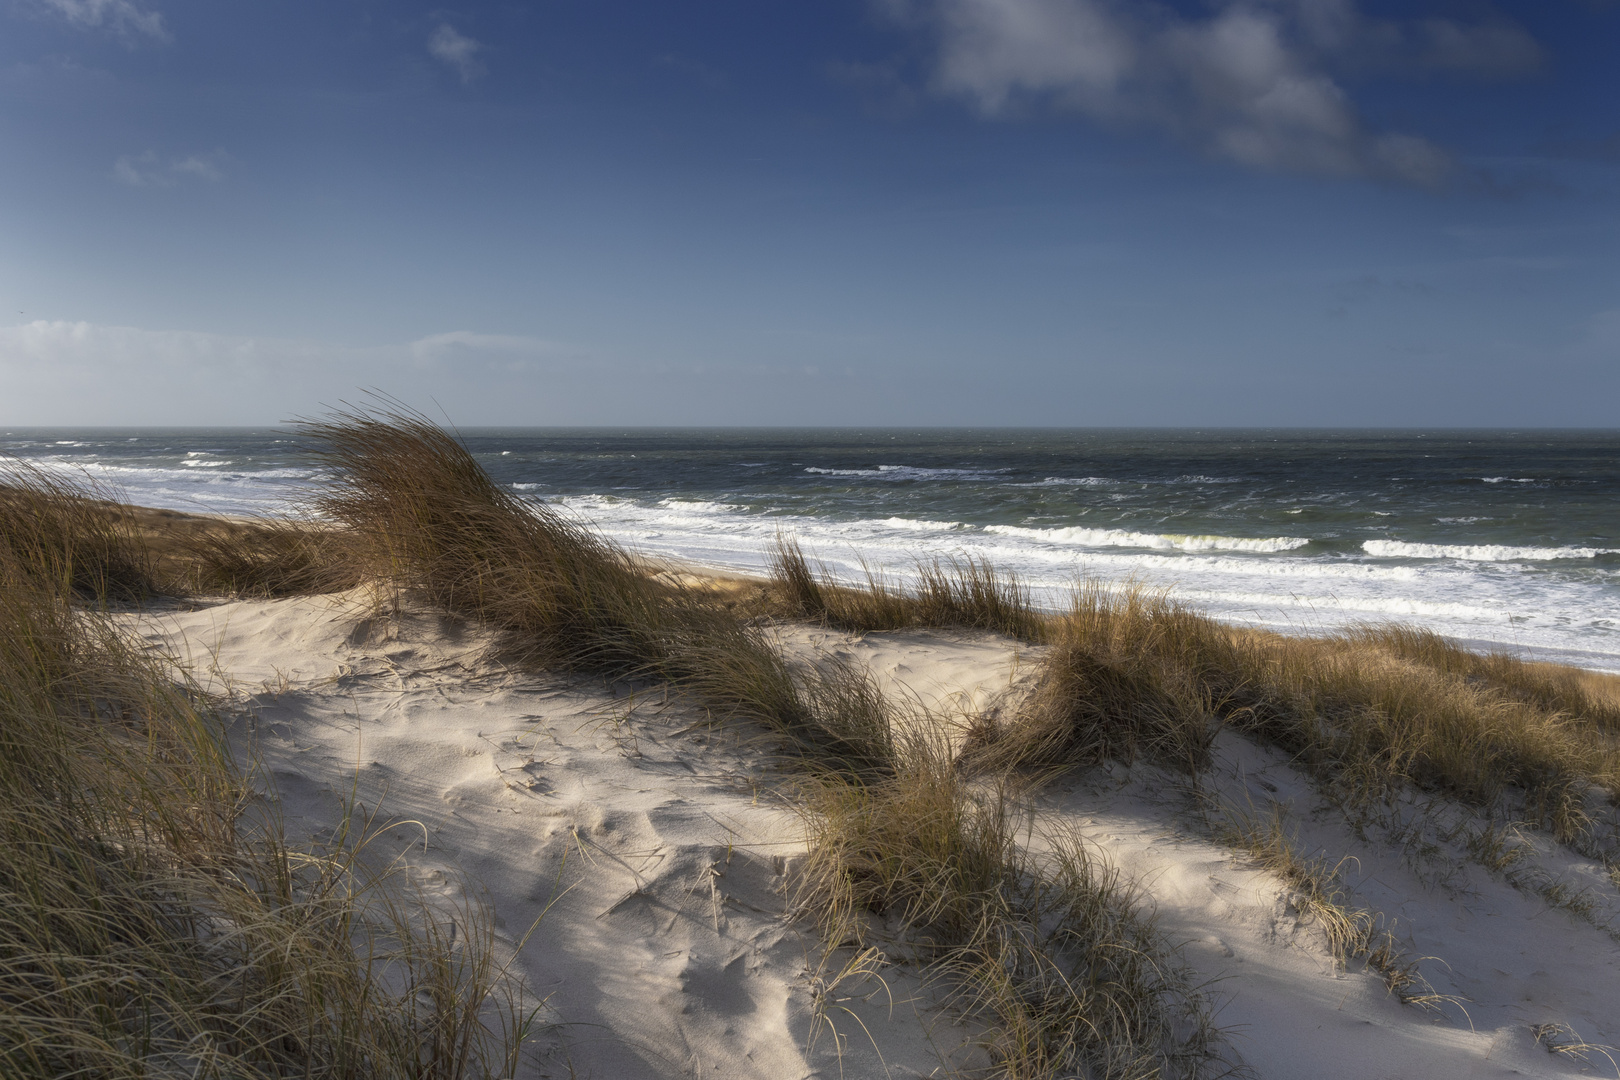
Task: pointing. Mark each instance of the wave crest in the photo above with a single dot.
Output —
(1154, 541)
(1400, 549)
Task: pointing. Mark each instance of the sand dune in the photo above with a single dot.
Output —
(653, 854)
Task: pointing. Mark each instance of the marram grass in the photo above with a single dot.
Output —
(1051, 953)
(153, 921)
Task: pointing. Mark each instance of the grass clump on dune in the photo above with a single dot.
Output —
(423, 516)
(1119, 681)
(153, 922)
(1371, 711)
(84, 537)
(966, 592)
(69, 536)
(1045, 948)
(269, 558)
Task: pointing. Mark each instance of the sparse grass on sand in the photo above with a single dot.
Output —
(1052, 951)
(1320, 893)
(1048, 951)
(153, 921)
(962, 592)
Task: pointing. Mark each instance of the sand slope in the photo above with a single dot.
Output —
(659, 851)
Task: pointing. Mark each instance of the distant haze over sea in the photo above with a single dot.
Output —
(1496, 538)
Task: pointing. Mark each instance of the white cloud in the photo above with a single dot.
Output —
(1253, 81)
(436, 348)
(121, 17)
(457, 50)
(149, 170)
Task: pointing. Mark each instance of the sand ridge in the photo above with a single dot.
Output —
(659, 850)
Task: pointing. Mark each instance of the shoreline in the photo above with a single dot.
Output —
(738, 580)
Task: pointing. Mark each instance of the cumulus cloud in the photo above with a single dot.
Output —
(457, 51)
(121, 17)
(1254, 81)
(150, 170)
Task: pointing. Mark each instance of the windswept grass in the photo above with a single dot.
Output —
(1584, 697)
(1046, 949)
(1370, 711)
(64, 534)
(422, 515)
(961, 592)
(1049, 948)
(1120, 681)
(270, 558)
(153, 922)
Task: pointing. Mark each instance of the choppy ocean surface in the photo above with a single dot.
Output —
(1495, 538)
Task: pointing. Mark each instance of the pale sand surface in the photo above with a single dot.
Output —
(660, 850)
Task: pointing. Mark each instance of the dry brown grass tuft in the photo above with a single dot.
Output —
(1584, 697)
(63, 533)
(153, 922)
(268, 558)
(959, 592)
(1046, 949)
(1120, 681)
(1371, 712)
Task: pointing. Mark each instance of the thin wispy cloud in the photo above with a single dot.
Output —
(1253, 81)
(92, 371)
(150, 170)
(121, 17)
(513, 351)
(457, 51)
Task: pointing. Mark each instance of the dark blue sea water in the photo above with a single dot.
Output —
(1492, 537)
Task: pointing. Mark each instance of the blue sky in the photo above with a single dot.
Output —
(1054, 212)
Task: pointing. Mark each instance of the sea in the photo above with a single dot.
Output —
(1497, 539)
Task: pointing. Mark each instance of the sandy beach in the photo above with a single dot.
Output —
(639, 862)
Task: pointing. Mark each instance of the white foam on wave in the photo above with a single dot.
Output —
(1070, 481)
(1508, 479)
(924, 525)
(1399, 549)
(696, 506)
(909, 472)
(1106, 538)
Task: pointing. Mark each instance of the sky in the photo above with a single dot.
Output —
(842, 212)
